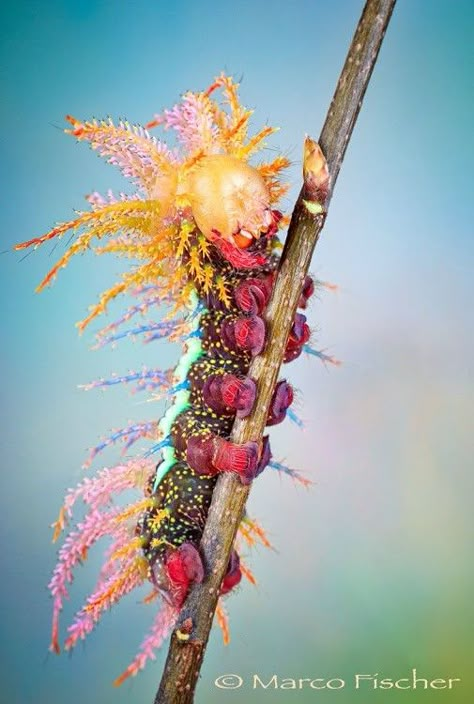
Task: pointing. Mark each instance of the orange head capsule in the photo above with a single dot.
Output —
(230, 198)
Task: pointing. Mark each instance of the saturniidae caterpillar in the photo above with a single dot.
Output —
(202, 230)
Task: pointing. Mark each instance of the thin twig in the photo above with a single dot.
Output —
(190, 636)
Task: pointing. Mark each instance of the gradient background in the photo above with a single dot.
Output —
(373, 572)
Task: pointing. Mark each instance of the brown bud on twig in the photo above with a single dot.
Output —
(184, 633)
(315, 176)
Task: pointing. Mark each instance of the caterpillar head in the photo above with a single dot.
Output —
(230, 203)
(204, 184)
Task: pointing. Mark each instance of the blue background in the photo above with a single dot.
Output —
(373, 571)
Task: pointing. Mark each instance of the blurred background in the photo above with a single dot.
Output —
(373, 571)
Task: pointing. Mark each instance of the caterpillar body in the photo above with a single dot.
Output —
(202, 227)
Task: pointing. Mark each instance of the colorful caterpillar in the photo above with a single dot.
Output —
(202, 228)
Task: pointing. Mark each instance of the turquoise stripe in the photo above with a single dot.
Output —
(193, 350)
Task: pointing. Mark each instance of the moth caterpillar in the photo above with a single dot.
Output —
(202, 229)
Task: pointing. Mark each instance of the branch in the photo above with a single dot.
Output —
(190, 636)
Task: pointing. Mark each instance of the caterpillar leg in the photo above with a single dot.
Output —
(208, 453)
(247, 460)
(298, 337)
(307, 292)
(183, 566)
(233, 575)
(228, 336)
(225, 393)
(300, 332)
(179, 568)
(252, 295)
(281, 401)
(213, 454)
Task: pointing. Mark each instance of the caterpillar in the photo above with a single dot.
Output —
(201, 229)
